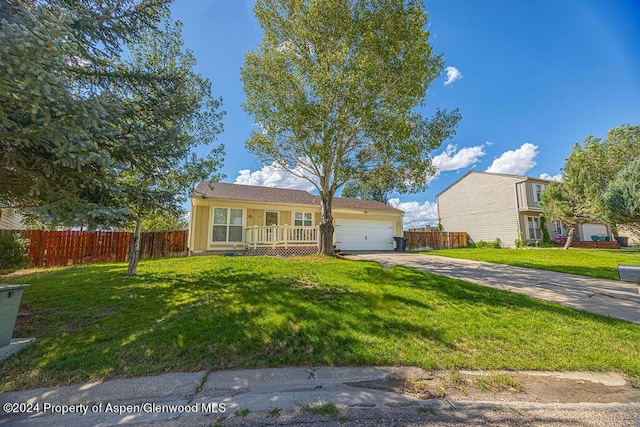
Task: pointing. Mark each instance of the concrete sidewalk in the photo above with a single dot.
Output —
(607, 297)
(284, 396)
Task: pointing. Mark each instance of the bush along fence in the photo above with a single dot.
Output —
(435, 240)
(51, 248)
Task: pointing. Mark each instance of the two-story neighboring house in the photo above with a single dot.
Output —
(492, 205)
(11, 219)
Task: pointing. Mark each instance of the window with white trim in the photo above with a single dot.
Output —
(558, 227)
(227, 225)
(303, 219)
(539, 188)
(533, 227)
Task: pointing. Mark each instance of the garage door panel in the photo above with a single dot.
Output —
(364, 235)
(591, 229)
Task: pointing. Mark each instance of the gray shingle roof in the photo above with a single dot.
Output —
(223, 190)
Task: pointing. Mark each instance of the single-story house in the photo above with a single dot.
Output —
(265, 220)
(493, 205)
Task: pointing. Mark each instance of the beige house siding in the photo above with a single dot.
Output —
(632, 235)
(527, 195)
(11, 219)
(483, 205)
(202, 219)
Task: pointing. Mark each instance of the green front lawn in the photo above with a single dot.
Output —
(601, 263)
(211, 313)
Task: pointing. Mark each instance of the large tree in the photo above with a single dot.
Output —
(623, 197)
(336, 86)
(169, 116)
(592, 166)
(60, 136)
(375, 184)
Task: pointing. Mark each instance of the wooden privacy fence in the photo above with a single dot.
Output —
(50, 248)
(163, 244)
(435, 240)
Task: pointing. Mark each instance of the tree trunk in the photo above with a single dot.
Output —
(134, 249)
(325, 240)
(569, 238)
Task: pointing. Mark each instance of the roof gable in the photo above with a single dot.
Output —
(521, 177)
(224, 190)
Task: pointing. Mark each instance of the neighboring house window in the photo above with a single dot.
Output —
(533, 225)
(303, 219)
(538, 193)
(558, 226)
(227, 225)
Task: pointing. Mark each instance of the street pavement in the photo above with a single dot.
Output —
(284, 396)
(607, 297)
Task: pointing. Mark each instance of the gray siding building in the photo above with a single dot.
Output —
(491, 205)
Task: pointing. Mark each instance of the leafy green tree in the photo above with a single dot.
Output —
(623, 197)
(591, 167)
(167, 221)
(168, 118)
(335, 86)
(59, 132)
(372, 185)
(557, 203)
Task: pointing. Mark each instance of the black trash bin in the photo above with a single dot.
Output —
(401, 244)
(623, 241)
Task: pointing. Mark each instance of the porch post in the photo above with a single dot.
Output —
(285, 237)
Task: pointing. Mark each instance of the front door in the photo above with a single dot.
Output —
(271, 219)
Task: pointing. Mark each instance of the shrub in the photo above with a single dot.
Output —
(496, 244)
(521, 241)
(470, 242)
(560, 240)
(12, 252)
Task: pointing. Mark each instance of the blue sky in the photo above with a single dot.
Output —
(530, 78)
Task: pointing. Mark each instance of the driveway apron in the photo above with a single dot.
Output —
(607, 297)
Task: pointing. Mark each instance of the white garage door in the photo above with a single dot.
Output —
(593, 230)
(364, 235)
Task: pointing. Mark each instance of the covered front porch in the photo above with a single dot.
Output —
(281, 240)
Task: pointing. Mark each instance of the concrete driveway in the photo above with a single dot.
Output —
(607, 297)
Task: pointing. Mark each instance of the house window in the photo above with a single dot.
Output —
(303, 219)
(227, 225)
(539, 188)
(533, 226)
(558, 226)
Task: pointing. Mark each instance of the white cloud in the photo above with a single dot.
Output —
(273, 176)
(515, 162)
(453, 159)
(453, 74)
(557, 177)
(417, 215)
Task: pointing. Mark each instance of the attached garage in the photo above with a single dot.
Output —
(591, 229)
(358, 235)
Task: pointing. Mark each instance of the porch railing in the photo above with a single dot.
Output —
(281, 235)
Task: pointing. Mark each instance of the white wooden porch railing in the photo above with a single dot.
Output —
(281, 235)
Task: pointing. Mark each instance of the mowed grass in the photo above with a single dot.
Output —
(211, 313)
(602, 263)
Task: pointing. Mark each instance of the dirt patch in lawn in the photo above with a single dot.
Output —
(541, 387)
